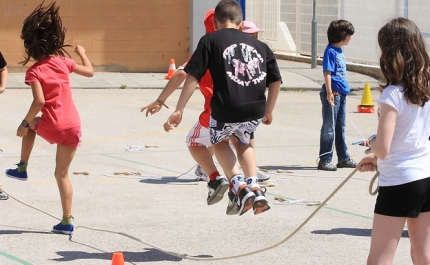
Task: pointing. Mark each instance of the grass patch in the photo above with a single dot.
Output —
(294, 89)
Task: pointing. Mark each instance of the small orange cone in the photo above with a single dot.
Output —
(172, 69)
(117, 258)
(366, 105)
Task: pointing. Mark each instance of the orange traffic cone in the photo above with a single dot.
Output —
(117, 258)
(172, 69)
(366, 105)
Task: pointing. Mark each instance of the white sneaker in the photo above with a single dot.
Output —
(201, 175)
(262, 176)
(3, 196)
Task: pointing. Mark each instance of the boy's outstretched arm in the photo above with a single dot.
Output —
(187, 91)
(174, 82)
(272, 96)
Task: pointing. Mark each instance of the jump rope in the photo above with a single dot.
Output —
(196, 258)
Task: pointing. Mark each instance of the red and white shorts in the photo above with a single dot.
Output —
(198, 136)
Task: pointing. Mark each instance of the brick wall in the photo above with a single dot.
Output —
(118, 35)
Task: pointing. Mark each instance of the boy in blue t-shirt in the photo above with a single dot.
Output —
(333, 98)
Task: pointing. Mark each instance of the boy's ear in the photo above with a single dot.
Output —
(241, 26)
(215, 24)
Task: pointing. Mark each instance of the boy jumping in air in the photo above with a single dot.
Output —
(241, 68)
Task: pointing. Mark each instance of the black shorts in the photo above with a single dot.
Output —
(406, 200)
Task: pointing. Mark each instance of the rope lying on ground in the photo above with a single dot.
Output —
(185, 256)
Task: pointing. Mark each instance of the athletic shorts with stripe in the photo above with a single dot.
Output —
(198, 136)
(243, 131)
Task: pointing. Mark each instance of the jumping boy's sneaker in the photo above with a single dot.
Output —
(14, 173)
(217, 188)
(3, 196)
(262, 176)
(63, 229)
(245, 199)
(260, 204)
(200, 173)
(232, 204)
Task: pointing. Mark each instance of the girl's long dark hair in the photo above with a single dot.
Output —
(43, 33)
(404, 59)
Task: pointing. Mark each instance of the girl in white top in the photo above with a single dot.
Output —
(401, 150)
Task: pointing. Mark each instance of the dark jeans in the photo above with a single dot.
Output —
(333, 127)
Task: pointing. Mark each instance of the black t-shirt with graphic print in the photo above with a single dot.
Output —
(241, 68)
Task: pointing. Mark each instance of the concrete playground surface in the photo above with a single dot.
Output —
(163, 209)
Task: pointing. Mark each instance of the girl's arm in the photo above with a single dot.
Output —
(381, 144)
(86, 69)
(36, 106)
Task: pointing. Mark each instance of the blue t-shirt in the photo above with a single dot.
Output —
(334, 61)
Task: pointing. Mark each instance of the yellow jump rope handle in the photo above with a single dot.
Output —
(81, 173)
(283, 171)
(151, 145)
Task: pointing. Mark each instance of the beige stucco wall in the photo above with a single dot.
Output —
(118, 35)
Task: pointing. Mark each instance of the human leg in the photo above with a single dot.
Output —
(226, 158)
(198, 141)
(64, 158)
(261, 176)
(239, 191)
(419, 236)
(386, 233)
(27, 144)
(203, 157)
(198, 144)
(246, 156)
(219, 134)
(344, 160)
(217, 184)
(329, 115)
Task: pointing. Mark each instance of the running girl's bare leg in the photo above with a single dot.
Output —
(64, 158)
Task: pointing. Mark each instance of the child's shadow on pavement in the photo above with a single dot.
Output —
(170, 180)
(290, 167)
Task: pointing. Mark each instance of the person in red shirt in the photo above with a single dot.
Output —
(197, 140)
(198, 137)
(49, 80)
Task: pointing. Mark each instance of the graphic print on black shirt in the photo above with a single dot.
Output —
(241, 67)
(247, 67)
